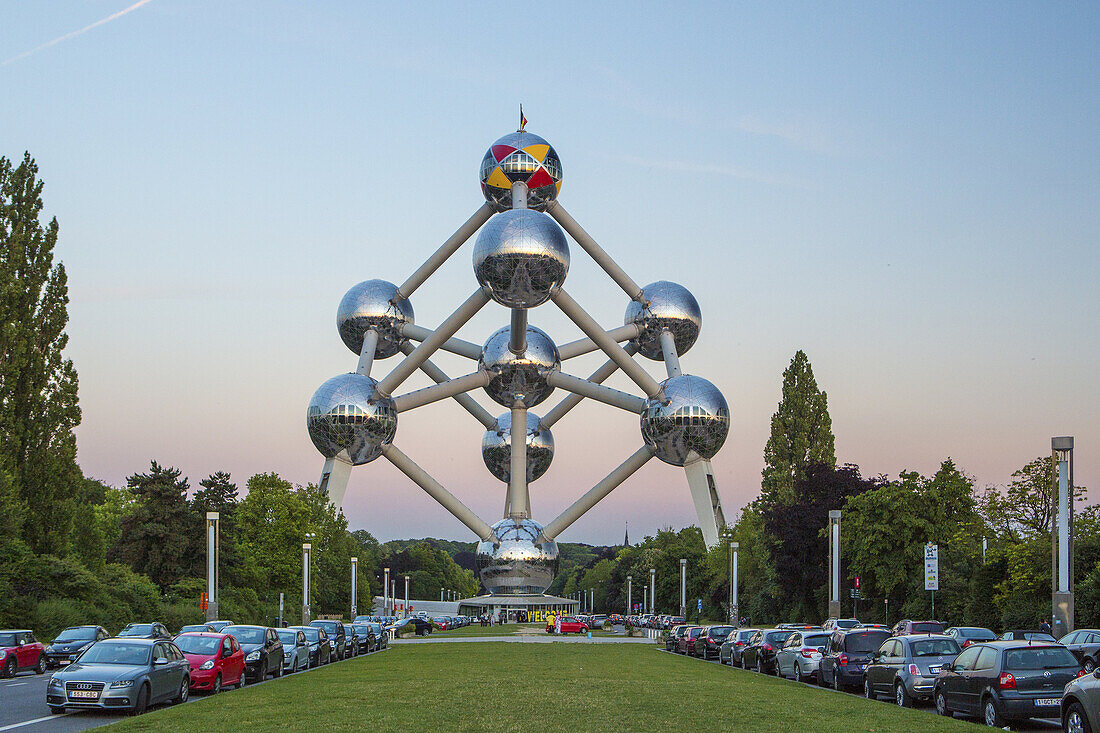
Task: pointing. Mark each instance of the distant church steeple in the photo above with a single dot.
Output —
(626, 537)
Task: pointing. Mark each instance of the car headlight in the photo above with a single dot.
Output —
(332, 644)
(253, 656)
(121, 683)
(56, 682)
(208, 664)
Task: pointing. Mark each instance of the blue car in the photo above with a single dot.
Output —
(122, 674)
(847, 655)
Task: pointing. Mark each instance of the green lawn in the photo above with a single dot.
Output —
(546, 687)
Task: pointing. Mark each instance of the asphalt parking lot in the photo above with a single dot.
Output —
(23, 705)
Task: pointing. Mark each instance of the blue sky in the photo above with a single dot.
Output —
(907, 192)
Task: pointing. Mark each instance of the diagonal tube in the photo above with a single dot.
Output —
(445, 251)
(517, 484)
(445, 498)
(668, 351)
(453, 345)
(595, 251)
(428, 346)
(584, 346)
(471, 406)
(598, 492)
(607, 344)
(573, 399)
(597, 392)
(366, 354)
(437, 392)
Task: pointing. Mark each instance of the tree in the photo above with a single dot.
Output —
(272, 521)
(219, 494)
(38, 385)
(802, 433)
(1025, 509)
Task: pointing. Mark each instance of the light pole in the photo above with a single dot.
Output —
(592, 600)
(386, 594)
(354, 588)
(406, 596)
(734, 610)
(1062, 538)
(652, 590)
(834, 563)
(683, 587)
(629, 591)
(645, 598)
(393, 595)
(307, 557)
(211, 566)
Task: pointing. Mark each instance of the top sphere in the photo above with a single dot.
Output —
(373, 304)
(520, 156)
(521, 256)
(667, 306)
(694, 421)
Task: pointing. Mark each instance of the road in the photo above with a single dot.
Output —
(23, 706)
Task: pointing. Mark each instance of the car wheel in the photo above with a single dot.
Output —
(868, 691)
(941, 704)
(1075, 720)
(759, 666)
(217, 686)
(798, 673)
(836, 682)
(185, 690)
(1089, 666)
(57, 709)
(901, 696)
(9, 668)
(279, 669)
(262, 673)
(744, 665)
(991, 715)
(294, 667)
(40, 667)
(142, 701)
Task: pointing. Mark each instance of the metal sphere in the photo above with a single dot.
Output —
(511, 562)
(521, 378)
(521, 256)
(346, 420)
(373, 304)
(668, 306)
(520, 156)
(695, 422)
(496, 448)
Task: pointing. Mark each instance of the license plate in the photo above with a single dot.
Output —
(84, 693)
(933, 670)
(1049, 702)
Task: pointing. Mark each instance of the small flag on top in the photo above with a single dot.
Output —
(522, 119)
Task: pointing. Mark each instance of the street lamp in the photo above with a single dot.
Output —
(386, 593)
(406, 595)
(354, 588)
(211, 566)
(834, 563)
(307, 558)
(629, 591)
(683, 587)
(652, 590)
(1061, 449)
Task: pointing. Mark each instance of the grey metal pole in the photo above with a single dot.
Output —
(598, 492)
(645, 598)
(595, 251)
(445, 498)
(445, 251)
(573, 399)
(1062, 614)
(668, 351)
(212, 566)
(517, 483)
(517, 333)
(280, 610)
(652, 590)
(306, 548)
(834, 564)
(732, 618)
(452, 345)
(629, 592)
(468, 403)
(587, 345)
(386, 594)
(437, 392)
(354, 587)
(366, 354)
(683, 587)
(736, 607)
(598, 392)
(406, 596)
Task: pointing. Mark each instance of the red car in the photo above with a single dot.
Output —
(686, 644)
(19, 650)
(216, 660)
(571, 625)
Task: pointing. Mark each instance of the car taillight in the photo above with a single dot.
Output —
(914, 670)
(766, 647)
(808, 653)
(1082, 673)
(740, 643)
(1006, 681)
(843, 659)
(967, 643)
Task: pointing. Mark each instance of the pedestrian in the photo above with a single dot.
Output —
(1044, 627)
(550, 623)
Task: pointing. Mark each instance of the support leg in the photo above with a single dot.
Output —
(598, 492)
(704, 494)
(334, 480)
(435, 490)
(366, 354)
(517, 485)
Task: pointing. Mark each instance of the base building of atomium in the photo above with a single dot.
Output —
(520, 261)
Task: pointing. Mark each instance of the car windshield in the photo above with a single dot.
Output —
(312, 634)
(329, 626)
(720, 632)
(287, 636)
(7, 639)
(1043, 657)
(246, 635)
(815, 640)
(106, 652)
(745, 634)
(204, 645)
(694, 633)
(847, 623)
(361, 629)
(194, 627)
(926, 627)
(1035, 636)
(777, 637)
(137, 630)
(977, 634)
(935, 647)
(864, 643)
(376, 628)
(82, 634)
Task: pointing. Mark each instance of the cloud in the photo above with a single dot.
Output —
(729, 171)
(76, 33)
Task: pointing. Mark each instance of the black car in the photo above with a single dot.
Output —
(672, 640)
(381, 638)
(320, 651)
(263, 650)
(338, 638)
(709, 643)
(846, 656)
(154, 630)
(363, 638)
(70, 642)
(421, 626)
(1003, 681)
(759, 653)
(1085, 645)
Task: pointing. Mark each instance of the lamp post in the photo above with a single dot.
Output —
(386, 593)
(834, 563)
(354, 588)
(629, 591)
(1062, 538)
(683, 587)
(652, 590)
(307, 557)
(211, 566)
(735, 611)
(592, 600)
(645, 598)
(406, 595)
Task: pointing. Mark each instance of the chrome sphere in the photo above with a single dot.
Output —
(520, 156)
(695, 422)
(511, 562)
(668, 306)
(520, 378)
(346, 420)
(496, 448)
(521, 256)
(373, 304)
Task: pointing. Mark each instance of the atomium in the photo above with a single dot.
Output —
(373, 304)
(513, 561)
(346, 419)
(668, 307)
(521, 256)
(496, 448)
(519, 378)
(695, 419)
(520, 157)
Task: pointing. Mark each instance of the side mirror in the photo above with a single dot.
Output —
(949, 667)
(160, 662)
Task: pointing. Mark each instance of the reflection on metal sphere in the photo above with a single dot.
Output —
(668, 306)
(496, 448)
(520, 156)
(521, 255)
(373, 304)
(695, 421)
(346, 420)
(511, 562)
(519, 377)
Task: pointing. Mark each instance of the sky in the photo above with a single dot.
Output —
(907, 192)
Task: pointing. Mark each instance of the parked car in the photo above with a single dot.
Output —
(320, 651)
(197, 627)
(295, 649)
(1085, 645)
(1027, 635)
(796, 625)
(908, 626)
(338, 638)
(421, 626)
(710, 641)
(840, 623)
(1081, 704)
(1004, 681)
(572, 625)
(846, 654)
(220, 625)
(597, 621)
(800, 655)
(19, 650)
(686, 643)
(216, 660)
(263, 652)
(122, 674)
(967, 635)
(70, 642)
(381, 638)
(672, 639)
(759, 653)
(730, 651)
(905, 667)
(363, 639)
(155, 630)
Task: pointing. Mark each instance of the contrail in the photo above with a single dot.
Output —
(74, 34)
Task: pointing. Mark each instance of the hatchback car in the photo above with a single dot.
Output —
(840, 623)
(69, 643)
(19, 650)
(967, 635)
(338, 637)
(710, 641)
(122, 674)
(730, 651)
(759, 653)
(846, 654)
(263, 652)
(363, 638)
(1003, 681)
(1085, 645)
(800, 655)
(672, 639)
(905, 667)
(154, 630)
(295, 649)
(686, 643)
(908, 626)
(1081, 704)
(572, 625)
(320, 651)
(381, 638)
(216, 660)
